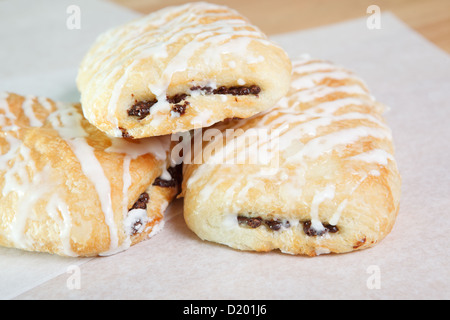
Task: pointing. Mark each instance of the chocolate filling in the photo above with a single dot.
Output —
(141, 202)
(175, 173)
(125, 133)
(177, 98)
(180, 108)
(235, 91)
(141, 109)
(275, 225)
(251, 222)
(311, 232)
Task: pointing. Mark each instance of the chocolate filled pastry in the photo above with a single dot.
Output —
(315, 174)
(180, 68)
(69, 189)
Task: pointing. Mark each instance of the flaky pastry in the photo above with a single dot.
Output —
(180, 68)
(69, 189)
(318, 177)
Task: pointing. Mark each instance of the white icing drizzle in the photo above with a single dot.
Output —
(45, 103)
(158, 146)
(112, 105)
(21, 175)
(28, 190)
(133, 216)
(379, 156)
(70, 129)
(316, 147)
(311, 80)
(94, 171)
(7, 114)
(326, 194)
(336, 216)
(14, 145)
(59, 211)
(27, 108)
(314, 67)
(126, 184)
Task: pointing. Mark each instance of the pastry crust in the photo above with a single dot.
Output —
(327, 183)
(67, 188)
(180, 68)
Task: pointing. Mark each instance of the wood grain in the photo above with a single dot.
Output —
(431, 18)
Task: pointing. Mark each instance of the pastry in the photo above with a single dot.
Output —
(180, 68)
(69, 189)
(320, 176)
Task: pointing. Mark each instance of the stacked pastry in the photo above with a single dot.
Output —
(94, 178)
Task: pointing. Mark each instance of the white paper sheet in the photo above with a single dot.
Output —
(40, 55)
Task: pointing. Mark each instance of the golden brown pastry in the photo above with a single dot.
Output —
(180, 68)
(67, 188)
(315, 174)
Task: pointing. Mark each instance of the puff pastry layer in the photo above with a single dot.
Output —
(180, 68)
(320, 176)
(69, 189)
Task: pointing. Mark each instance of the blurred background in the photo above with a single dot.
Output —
(431, 18)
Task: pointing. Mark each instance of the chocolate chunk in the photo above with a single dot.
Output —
(177, 98)
(244, 91)
(164, 183)
(251, 222)
(180, 108)
(141, 202)
(330, 228)
(207, 90)
(273, 224)
(125, 133)
(175, 173)
(255, 90)
(220, 90)
(311, 232)
(141, 109)
(235, 90)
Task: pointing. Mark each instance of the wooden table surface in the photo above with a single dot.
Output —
(431, 18)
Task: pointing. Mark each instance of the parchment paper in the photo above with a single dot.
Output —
(39, 55)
